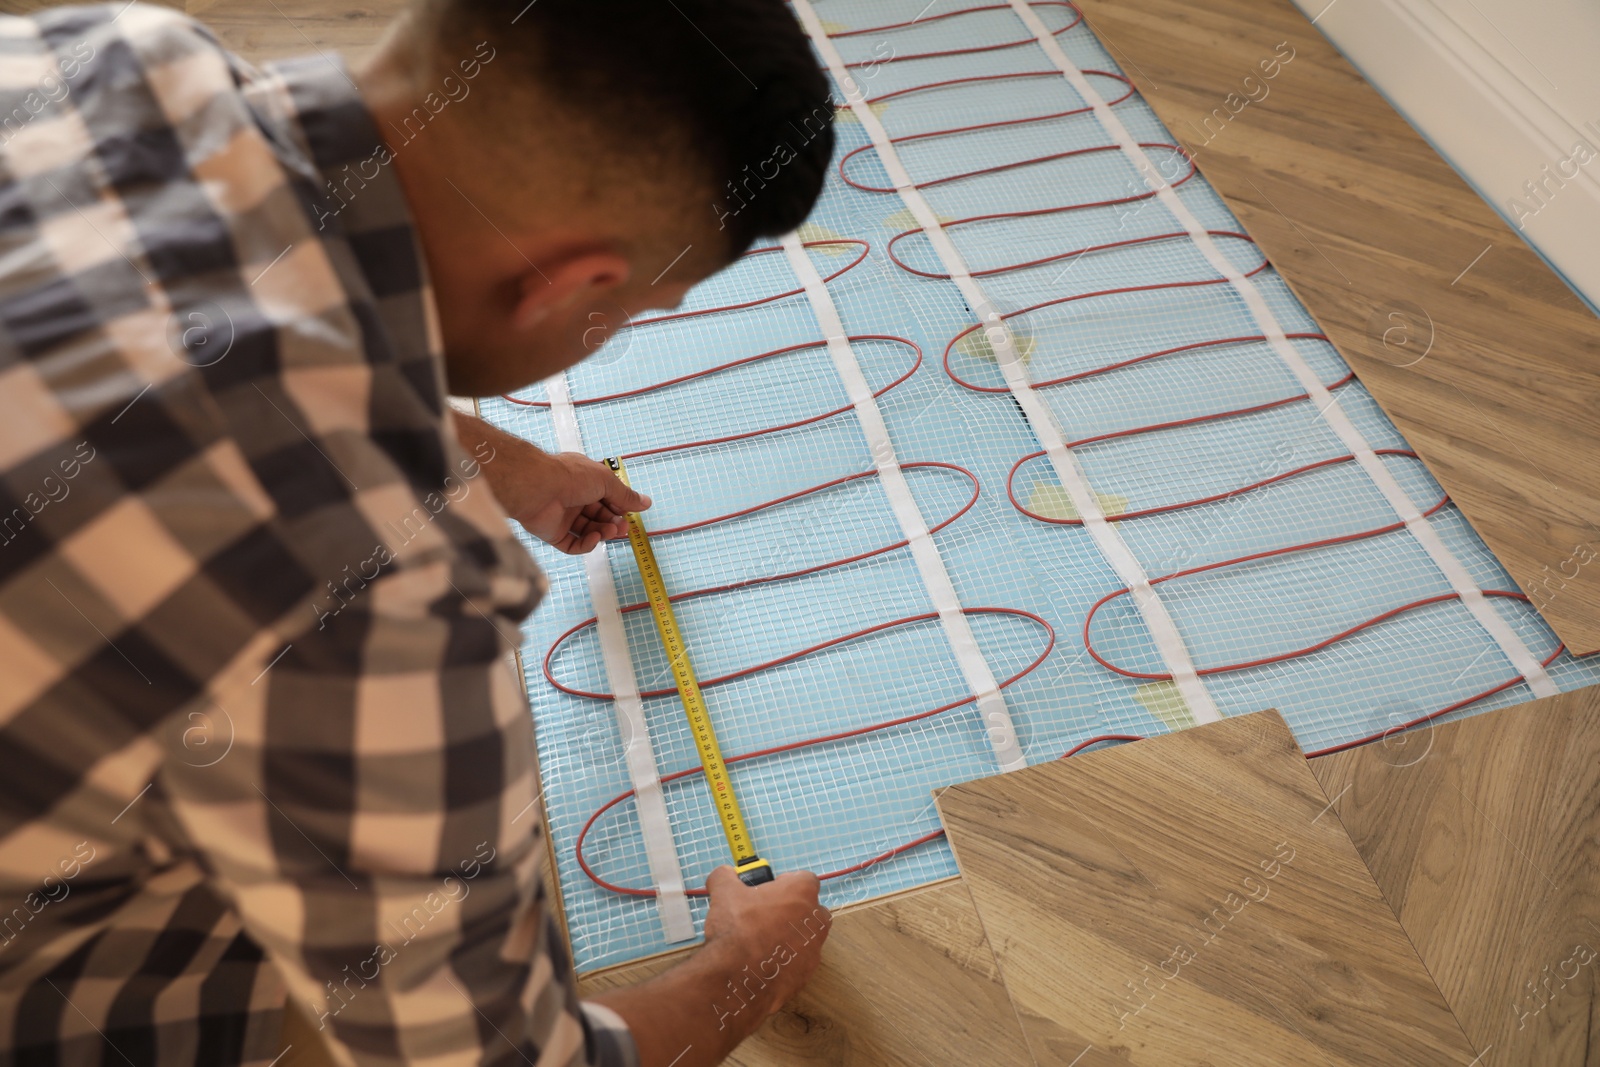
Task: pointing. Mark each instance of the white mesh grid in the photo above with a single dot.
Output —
(829, 806)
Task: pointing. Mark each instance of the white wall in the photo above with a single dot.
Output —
(1509, 93)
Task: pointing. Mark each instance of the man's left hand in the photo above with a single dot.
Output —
(566, 500)
(573, 503)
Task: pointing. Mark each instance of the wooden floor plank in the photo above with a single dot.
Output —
(1376, 234)
(906, 981)
(262, 30)
(1484, 835)
(1185, 900)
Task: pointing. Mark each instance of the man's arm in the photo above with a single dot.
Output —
(565, 499)
(762, 944)
(375, 826)
(696, 1013)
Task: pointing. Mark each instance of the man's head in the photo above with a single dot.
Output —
(573, 162)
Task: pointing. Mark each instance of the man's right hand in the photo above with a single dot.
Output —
(762, 943)
(777, 929)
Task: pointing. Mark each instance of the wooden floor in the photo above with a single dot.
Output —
(1188, 900)
(260, 30)
(1486, 361)
(1484, 836)
(1430, 899)
(905, 981)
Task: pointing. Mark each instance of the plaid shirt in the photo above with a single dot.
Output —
(260, 728)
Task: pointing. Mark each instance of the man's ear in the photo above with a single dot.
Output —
(568, 282)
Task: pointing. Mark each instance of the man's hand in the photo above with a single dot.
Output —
(567, 500)
(762, 943)
(776, 928)
(572, 502)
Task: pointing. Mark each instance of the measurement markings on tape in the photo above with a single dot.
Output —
(752, 869)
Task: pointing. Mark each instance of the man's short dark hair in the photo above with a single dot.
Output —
(727, 87)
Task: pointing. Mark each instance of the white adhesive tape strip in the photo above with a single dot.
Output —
(1163, 631)
(1461, 582)
(980, 679)
(661, 850)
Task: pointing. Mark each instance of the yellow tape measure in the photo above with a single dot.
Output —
(752, 869)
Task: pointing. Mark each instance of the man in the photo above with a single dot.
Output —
(261, 742)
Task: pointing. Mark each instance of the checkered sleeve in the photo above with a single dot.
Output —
(376, 831)
(293, 672)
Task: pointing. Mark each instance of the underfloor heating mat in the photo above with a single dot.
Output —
(1144, 489)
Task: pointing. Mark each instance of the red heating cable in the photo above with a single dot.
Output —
(549, 671)
(974, 78)
(656, 319)
(1093, 294)
(947, 83)
(977, 127)
(769, 249)
(747, 360)
(1196, 502)
(745, 435)
(1342, 746)
(918, 22)
(1305, 546)
(807, 742)
(1120, 364)
(1018, 164)
(1173, 181)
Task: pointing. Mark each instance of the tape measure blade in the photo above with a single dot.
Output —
(688, 686)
